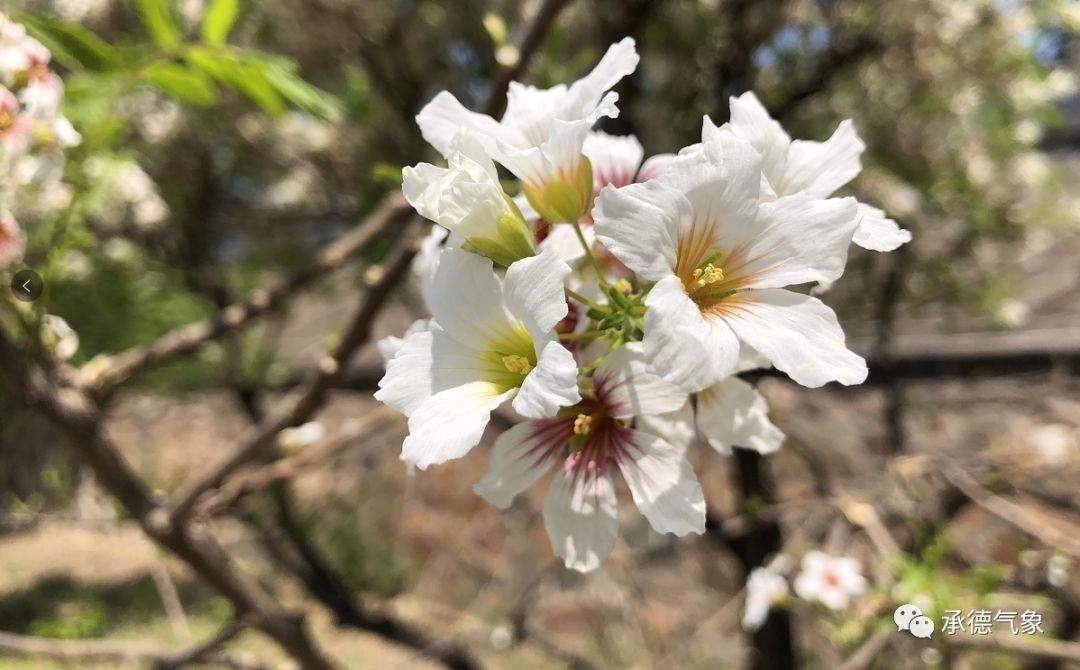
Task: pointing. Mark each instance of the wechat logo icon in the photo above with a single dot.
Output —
(910, 618)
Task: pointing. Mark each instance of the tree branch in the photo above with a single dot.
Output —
(188, 338)
(312, 395)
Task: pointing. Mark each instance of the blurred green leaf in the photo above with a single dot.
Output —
(71, 44)
(239, 74)
(300, 93)
(219, 21)
(158, 19)
(387, 173)
(183, 83)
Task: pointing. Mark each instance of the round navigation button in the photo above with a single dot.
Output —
(27, 285)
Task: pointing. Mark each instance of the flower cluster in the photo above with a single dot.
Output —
(33, 134)
(614, 301)
(830, 580)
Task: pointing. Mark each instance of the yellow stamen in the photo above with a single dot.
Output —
(517, 364)
(709, 275)
(582, 424)
(622, 286)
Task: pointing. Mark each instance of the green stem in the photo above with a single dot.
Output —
(585, 301)
(589, 253)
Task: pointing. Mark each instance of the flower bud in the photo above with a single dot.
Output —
(513, 238)
(565, 197)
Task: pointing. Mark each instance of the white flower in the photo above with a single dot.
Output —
(719, 260)
(389, 346)
(58, 337)
(490, 341)
(587, 444)
(12, 240)
(540, 137)
(765, 587)
(831, 580)
(467, 199)
(815, 168)
(305, 435)
(730, 413)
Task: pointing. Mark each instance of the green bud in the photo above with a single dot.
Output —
(513, 239)
(563, 198)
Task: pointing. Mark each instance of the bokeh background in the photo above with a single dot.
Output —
(199, 180)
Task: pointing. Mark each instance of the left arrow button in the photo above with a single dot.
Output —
(27, 285)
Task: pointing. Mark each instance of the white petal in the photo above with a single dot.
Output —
(550, 385)
(518, 458)
(581, 518)
(799, 334)
(800, 240)
(620, 60)
(534, 291)
(408, 380)
(654, 166)
(640, 224)
(751, 360)
(563, 148)
(722, 181)
(389, 346)
(663, 485)
(444, 117)
(682, 346)
(450, 423)
(615, 159)
(751, 121)
(877, 231)
(466, 298)
(564, 242)
(819, 168)
(732, 413)
(628, 388)
(676, 427)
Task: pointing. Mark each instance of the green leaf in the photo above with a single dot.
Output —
(183, 83)
(158, 19)
(219, 21)
(240, 75)
(300, 93)
(71, 44)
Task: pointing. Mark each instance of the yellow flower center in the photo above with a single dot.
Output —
(622, 286)
(582, 424)
(710, 274)
(517, 364)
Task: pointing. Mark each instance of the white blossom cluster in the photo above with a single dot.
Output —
(615, 301)
(33, 134)
(824, 578)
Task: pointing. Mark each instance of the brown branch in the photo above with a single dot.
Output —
(862, 657)
(311, 396)
(530, 44)
(286, 468)
(188, 338)
(75, 414)
(125, 653)
(1015, 515)
(1037, 647)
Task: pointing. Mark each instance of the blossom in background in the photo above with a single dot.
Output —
(831, 580)
(719, 259)
(467, 199)
(540, 137)
(12, 240)
(304, 435)
(765, 587)
(490, 340)
(587, 444)
(815, 168)
(58, 338)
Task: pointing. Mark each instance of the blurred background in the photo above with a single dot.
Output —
(217, 161)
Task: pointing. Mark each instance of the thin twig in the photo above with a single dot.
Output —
(188, 338)
(530, 44)
(290, 466)
(311, 397)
